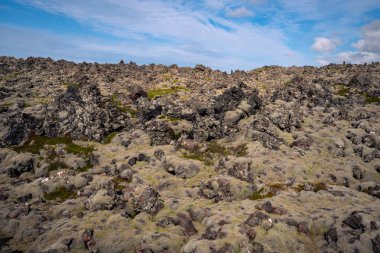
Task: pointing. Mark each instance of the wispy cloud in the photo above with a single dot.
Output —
(222, 34)
(371, 38)
(190, 36)
(240, 12)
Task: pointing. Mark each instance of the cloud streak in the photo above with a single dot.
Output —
(184, 35)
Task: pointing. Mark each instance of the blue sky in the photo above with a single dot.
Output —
(222, 34)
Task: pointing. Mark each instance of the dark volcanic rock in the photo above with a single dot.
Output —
(82, 112)
(149, 201)
(354, 221)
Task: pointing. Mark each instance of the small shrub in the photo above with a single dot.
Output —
(215, 147)
(316, 186)
(240, 150)
(370, 99)
(86, 167)
(343, 91)
(60, 194)
(261, 195)
(203, 157)
(56, 165)
(36, 142)
(165, 91)
(109, 138)
(117, 182)
(168, 118)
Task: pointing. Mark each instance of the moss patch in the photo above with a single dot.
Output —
(343, 91)
(168, 118)
(316, 186)
(122, 107)
(11, 76)
(370, 99)
(60, 194)
(35, 143)
(118, 183)
(56, 165)
(165, 91)
(109, 138)
(70, 85)
(261, 195)
(213, 148)
(86, 167)
(203, 157)
(216, 148)
(240, 150)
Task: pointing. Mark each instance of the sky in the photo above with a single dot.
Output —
(221, 34)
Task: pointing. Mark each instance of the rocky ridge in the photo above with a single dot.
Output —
(127, 158)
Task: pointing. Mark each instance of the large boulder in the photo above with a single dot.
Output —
(183, 168)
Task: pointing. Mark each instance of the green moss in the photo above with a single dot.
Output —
(168, 118)
(109, 138)
(60, 194)
(86, 167)
(260, 195)
(370, 99)
(122, 107)
(277, 187)
(35, 143)
(131, 111)
(70, 85)
(7, 104)
(118, 183)
(56, 165)
(215, 147)
(200, 157)
(11, 76)
(343, 91)
(317, 186)
(240, 150)
(174, 135)
(165, 91)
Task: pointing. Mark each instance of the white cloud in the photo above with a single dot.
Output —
(323, 62)
(322, 44)
(163, 31)
(357, 57)
(368, 46)
(371, 38)
(241, 12)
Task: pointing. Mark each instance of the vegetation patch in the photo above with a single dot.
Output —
(118, 183)
(57, 165)
(11, 76)
(123, 107)
(342, 90)
(240, 150)
(36, 142)
(368, 99)
(109, 138)
(216, 148)
(203, 157)
(168, 118)
(174, 135)
(70, 85)
(7, 104)
(207, 157)
(165, 91)
(60, 194)
(86, 167)
(315, 187)
(261, 195)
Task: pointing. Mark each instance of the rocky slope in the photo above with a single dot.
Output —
(127, 158)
